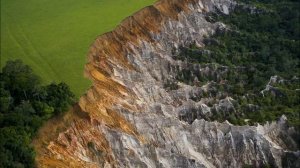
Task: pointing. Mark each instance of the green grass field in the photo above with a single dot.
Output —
(53, 36)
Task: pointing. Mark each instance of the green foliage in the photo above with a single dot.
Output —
(5, 99)
(15, 150)
(59, 96)
(263, 41)
(19, 80)
(25, 105)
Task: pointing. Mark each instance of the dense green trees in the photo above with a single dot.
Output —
(266, 41)
(25, 105)
(263, 40)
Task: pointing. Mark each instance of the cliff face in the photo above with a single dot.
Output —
(133, 120)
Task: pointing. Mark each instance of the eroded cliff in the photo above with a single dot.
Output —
(129, 118)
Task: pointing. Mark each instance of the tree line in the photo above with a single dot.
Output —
(25, 104)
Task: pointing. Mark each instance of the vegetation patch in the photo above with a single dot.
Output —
(259, 50)
(25, 105)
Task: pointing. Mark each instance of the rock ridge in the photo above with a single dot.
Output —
(135, 121)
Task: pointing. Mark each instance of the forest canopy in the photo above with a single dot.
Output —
(25, 104)
(260, 41)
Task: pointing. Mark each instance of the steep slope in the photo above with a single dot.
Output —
(136, 120)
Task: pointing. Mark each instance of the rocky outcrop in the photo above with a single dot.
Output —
(136, 121)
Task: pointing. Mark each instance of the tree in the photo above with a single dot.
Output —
(25, 108)
(59, 96)
(19, 79)
(43, 109)
(5, 100)
(14, 145)
(25, 105)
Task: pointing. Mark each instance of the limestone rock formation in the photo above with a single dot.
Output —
(135, 120)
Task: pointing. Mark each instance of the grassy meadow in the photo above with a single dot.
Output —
(53, 36)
